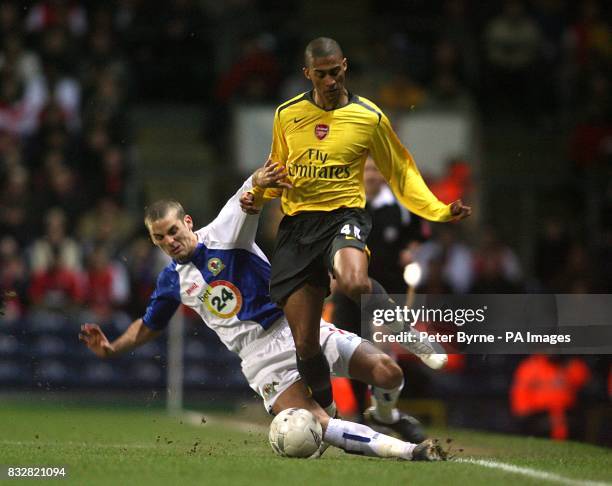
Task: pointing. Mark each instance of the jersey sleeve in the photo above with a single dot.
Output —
(233, 225)
(279, 152)
(399, 169)
(163, 302)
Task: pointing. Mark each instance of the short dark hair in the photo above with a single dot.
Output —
(159, 209)
(321, 47)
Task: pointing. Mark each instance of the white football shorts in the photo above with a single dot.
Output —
(270, 365)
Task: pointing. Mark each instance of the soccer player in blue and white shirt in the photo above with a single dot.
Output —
(221, 274)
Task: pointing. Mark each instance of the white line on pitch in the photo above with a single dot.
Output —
(532, 473)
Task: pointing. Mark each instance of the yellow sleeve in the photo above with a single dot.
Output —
(399, 169)
(278, 153)
(262, 196)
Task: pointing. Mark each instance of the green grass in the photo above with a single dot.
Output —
(143, 446)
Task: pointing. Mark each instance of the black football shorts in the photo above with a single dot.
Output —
(306, 244)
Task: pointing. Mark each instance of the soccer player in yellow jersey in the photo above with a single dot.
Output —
(320, 142)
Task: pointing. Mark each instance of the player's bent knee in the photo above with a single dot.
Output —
(360, 287)
(388, 374)
(355, 285)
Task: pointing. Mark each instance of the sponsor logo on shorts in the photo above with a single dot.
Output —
(269, 389)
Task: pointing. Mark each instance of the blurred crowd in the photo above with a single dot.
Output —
(72, 245)
(66, 151)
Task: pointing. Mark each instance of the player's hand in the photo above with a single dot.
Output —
(459, 211)
(247, 203)
(94, 338)
(273, 175)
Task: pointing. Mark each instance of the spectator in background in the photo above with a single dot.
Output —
(53, 135)
(401, 91)
(588, 41)
(455, 258)
(107, 288)
(544, 390)
(25, 62)
(114, 183)
(457, 28)
(106, 107)
(58, 52)
(60, 187)
(107, 224)
(551, 251)
(64, 91)
(65, 14)
(10, 152)
(577, 272)
(456, 183)
(497, 268)
(513, 47)
(255, 75)
(447, 90)
(95, 140)
(17, 206)
(21, 102)
(9, 20)
(13, 281)
(103, 57)
(56, 291)
(55, 247)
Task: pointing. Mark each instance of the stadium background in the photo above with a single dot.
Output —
(105, 106)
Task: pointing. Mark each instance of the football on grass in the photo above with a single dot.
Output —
(295, 432)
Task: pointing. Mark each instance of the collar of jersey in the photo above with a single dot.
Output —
(310, 97)
(199, 248)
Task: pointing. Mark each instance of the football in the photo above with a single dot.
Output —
(295, 432)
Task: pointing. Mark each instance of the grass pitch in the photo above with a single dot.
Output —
(144, 446)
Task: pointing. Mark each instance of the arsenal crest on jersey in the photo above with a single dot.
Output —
(321, 131)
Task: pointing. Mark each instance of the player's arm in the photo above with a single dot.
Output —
(399, 169)
(272, 178)
(279, 152)
(135, 335)
(235, 223)
(231, 224)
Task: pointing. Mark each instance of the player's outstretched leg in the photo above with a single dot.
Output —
(351, 272)
(357, 438)
(370, 365)
(433, 356)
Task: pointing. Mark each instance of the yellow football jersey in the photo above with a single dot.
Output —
(324, 152)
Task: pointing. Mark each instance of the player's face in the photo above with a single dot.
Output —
(327, 75)
(174, 236)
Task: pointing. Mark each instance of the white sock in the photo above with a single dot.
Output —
(361, 439)
(384, 402)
